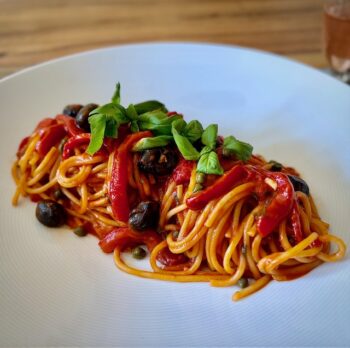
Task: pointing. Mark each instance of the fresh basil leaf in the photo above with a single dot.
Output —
(152, 142)
(184, 145)
(159, 126)
(131, 112)
(179, 125)
(156, 128)
(209, 164)
(133, 116)
(205, 150)
(116, 95)
(193, 131)
(122, 112)
(107, 109)
(209, 136)
(97, 126)
(112, 126)
(149, 105)
(134, 127)
(240, 149)
(154, 117)
(112, 110)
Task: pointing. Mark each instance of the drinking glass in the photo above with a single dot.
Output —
(337, 37)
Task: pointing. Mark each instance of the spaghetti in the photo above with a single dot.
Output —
(253, 224)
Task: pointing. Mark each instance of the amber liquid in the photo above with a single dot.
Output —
(337, 35)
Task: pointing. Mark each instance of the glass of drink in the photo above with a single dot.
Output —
(337, 36)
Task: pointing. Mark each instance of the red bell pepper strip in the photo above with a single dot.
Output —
(279, 207)
(123, 132)
(167, 258)
(296, 225)
(69, 124)
(109, 144)
(224, 184)
(182, 172)
(118, 185)
(46, 122)
(49, 137)
(276, 210)
(79, 140)
(74, 142)
(124, 237)
(22, 146)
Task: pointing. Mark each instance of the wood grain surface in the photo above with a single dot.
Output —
(32, 31)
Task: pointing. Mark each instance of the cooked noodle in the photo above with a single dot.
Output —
(219, 243)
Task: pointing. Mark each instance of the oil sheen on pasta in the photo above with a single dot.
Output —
(246, 227)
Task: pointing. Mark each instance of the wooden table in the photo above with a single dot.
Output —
(32, 31)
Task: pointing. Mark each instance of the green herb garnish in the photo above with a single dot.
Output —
(209, 162)
(152, 142)
(209, 136)
(184, 145)
(152, 115)
(149, 105)
(158, 122)
(240, 149)
(193, 131)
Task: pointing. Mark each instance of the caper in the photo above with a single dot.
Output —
(243, 283)
(72, 109)
(58, 194)
(275, 166)
(50, 213)
(175, 234)
(197, 187)
(82, 119)
(138, 253)
(80, 231)
(200, 178)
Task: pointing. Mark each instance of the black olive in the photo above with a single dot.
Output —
(144, 216)
(83, 115)
(50, 213)
(158, 161)
(72, 109)
(299, 184)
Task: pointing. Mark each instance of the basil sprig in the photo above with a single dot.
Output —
(158, 122)
(152, 115)
(104, 122)
(106, 119)
(239, 149)
(149, 105)
(183, 142)
(152, 142)
(209, 162)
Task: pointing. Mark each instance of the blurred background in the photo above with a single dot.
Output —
(32, 31)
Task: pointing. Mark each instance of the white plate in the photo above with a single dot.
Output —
(57, 289)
